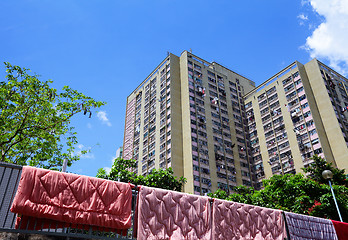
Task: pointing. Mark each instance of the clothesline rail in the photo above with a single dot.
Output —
(148, 213)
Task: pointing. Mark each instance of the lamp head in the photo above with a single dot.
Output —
(327, 174)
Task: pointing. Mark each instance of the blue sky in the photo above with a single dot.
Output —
(106, 48)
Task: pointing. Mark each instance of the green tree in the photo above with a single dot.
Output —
(294, 193)
(164, 178)
(35, 120)
(319, 165)
(242, 194)
(121, 170)
(219, 193)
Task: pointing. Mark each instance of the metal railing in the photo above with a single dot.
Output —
(9, 178)
(10, 223)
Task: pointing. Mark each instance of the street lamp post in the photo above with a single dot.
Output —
(327, 174)
(65, 164)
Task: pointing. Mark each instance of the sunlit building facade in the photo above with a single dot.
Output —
(188, 115)
(299, 112)
(214, 127)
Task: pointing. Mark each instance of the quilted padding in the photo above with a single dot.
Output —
(164, 214)
(302, 227)
(73, 198)
(236, 221)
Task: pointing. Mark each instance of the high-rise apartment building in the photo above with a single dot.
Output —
(119, 152)
(299, 112)
(188, 115)
(212, 126)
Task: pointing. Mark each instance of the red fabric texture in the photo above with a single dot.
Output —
(341, 229)
(32, 223)
(71, 198)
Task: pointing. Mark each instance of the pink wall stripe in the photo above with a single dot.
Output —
(129, 132)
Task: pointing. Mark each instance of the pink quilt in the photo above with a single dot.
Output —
(236, 221)
(164, 214)
(71, 198)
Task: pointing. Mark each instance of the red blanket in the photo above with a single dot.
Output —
(341, 229)
(72, 198)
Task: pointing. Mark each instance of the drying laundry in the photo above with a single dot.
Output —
(236, 221)
(341, 230)
(164, 214)
(215, 100)
(71, 198)
(303, 227)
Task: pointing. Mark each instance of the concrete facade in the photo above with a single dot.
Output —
(295, 114)
(186, 115)
(214, 127)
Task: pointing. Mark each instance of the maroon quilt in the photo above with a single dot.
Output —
(71, 198)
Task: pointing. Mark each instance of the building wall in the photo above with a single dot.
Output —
(210, 162)
(147, 103)
(330, 91)
(119, 152)
(270, 127)
(212, 126)
(176, 120)
(179, 120)
(312, 85)
(186, 125)
(309, 113)
(129, 128)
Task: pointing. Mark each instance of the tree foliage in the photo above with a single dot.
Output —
(319, 165)
(160, 178)
(294, 193)
(35, 120)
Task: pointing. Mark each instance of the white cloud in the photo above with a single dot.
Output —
(302, 17)
(80, 148)
(304, 2)
(102, 117)
(330, 39)
(107, 170)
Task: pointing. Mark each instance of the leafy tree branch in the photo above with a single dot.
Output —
(122, 170)
(35, 119)
(297, 193)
